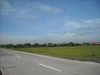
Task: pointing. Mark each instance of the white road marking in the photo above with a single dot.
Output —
(18, 56)
(50, 67)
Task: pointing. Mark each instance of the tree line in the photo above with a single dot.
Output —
(28, 45)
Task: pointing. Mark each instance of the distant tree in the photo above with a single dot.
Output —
(85, 43)
(19, 46)
(35, 45)
(44, 45)
(27, 45)
(54, 45)
(77, 44)
(2, 45)
(71, 44)
(50, 45)
(9, 45)
(63, 44)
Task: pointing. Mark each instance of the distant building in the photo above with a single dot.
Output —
(94, 43)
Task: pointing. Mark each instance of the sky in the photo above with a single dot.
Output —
(43, 21)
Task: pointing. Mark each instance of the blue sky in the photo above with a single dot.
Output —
(44, 21)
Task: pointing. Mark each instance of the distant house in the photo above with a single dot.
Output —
(94, 43)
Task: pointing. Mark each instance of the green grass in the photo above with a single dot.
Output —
(90, 53)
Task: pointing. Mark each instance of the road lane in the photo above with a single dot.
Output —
(50, 67)
(18, 56)
(21, 63)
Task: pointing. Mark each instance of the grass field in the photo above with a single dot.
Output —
(89, 53)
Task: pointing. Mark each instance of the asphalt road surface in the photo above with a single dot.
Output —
(22, 63)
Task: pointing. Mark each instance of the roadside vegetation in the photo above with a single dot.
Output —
(70, 50)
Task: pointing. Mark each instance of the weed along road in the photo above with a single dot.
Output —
(22, 63)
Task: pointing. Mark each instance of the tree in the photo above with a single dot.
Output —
(50, 45)
(35, 45)
(44, 45)
(19, 46)
(9, 45)
(71, 44)
(27, 45)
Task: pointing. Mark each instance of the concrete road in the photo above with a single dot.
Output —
(21, 63)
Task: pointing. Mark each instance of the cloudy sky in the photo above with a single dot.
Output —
(43, 21)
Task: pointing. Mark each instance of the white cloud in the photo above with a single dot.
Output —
(5, 7)
(47, 8)
(86, 27)
(68, 27)
(72, 24)
(91, 27)
(27, 8)
(24, 12)
(87, 30)
(93, 22)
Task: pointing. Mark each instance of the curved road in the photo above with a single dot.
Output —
(22, 63)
